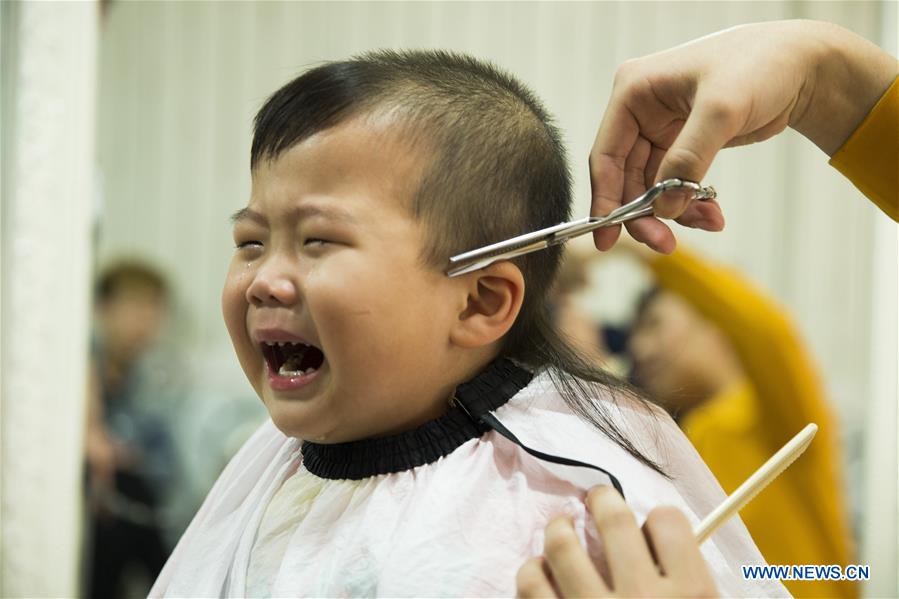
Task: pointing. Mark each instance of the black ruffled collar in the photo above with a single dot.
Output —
(356, 460)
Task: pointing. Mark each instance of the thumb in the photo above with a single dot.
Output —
(710, 125)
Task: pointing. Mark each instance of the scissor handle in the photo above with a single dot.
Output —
(643, 205)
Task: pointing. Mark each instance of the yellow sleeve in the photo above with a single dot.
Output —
(789, 392)
(870, 157)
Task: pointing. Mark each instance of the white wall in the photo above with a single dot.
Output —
(180, 83)
(48, 91)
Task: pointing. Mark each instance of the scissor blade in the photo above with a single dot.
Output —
(512, 243)
(524, 244)
(508, 252)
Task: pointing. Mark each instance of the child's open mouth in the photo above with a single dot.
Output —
(291, 365)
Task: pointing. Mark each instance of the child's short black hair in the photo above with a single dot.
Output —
(497, 170)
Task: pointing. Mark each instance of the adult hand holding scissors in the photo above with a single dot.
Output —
(671, 112)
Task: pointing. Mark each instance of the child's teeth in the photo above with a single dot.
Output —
(284, 371)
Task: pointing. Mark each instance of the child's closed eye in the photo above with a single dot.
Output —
(241, 245)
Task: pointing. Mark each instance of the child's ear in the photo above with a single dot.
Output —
(494, 299)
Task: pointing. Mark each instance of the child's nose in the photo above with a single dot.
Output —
(274, 285)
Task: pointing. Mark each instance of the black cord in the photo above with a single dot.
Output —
(493, 422)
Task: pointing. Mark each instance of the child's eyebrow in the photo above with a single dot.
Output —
(298, 213)
(247, 214)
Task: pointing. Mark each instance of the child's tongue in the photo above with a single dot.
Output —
(292, 364)
(296, 357)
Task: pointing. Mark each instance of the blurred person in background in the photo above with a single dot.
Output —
(130, 455)
(573, 292)
(731, 368)
(572, 321)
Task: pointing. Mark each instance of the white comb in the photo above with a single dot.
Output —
(753, 485)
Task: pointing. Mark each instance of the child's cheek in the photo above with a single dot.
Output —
(352, 316)
(232, 301)
(234, 312)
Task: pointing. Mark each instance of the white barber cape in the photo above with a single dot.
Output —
(458, 526)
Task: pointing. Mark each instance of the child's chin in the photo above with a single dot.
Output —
(299, 419)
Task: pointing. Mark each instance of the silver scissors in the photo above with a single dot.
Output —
(559, 234)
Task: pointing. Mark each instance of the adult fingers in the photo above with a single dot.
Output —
(618, 133)
(705, 214)
(652, 165)
(656, 234)
(648, 230)
(634, 167)
(615, 141)
(699, 214)
(696, 215)
(652, 232)
(605, 237)
(671, 537)
(532, 580)
(711, 124)
(571, 567)
(630, 563)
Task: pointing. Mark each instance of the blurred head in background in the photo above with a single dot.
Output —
(131, 305)
(579, 327)
(679, 357)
